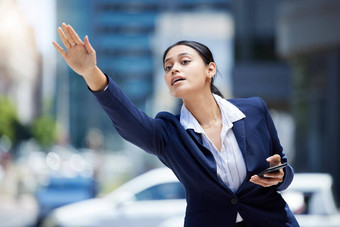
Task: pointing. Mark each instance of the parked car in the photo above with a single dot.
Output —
(311, 199)
(309, 196)
(63, 177)
(145, 201)
(61, 191)
(157, 199)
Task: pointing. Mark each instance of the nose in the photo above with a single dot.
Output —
(174, 69)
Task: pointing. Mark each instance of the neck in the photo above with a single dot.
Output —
(204, 108)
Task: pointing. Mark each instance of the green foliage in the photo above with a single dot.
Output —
(8, 118)
(44, 130)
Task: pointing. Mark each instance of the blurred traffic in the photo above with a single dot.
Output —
(60, 189)
(38, 182)
(157, 199)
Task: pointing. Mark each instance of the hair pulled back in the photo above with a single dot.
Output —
(205, 54)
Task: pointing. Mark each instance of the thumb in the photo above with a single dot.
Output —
(274, 160)
(88, 45)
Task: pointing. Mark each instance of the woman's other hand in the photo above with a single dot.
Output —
(81, 57)
(270, 179)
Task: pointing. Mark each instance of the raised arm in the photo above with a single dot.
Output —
(81, 57)
(130, 122)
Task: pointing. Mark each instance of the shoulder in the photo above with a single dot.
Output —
(168, 117)
(247, 102)
(165, 115)
(253, 105)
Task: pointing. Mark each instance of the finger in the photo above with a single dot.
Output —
(274, 160)
(255, 179)
(265, 182)
(88, 45)
(68, 36)
(274, 157)
(63, 38)
(74, 42)
(278, 175)
(268, 181)
(74, 35)
(59, 49)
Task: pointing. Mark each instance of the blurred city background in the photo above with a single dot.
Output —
(58, 147)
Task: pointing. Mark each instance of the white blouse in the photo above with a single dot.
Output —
(230, 164)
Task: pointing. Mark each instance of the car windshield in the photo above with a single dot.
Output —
(308, 202)
(173, 190)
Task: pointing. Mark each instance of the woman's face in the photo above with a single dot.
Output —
(185, 71)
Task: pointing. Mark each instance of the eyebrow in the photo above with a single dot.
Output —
(181, 54)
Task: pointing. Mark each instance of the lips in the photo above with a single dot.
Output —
(176, 79)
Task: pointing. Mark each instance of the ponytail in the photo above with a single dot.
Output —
(215, 90)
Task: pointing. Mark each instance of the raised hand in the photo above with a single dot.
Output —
(81, 57)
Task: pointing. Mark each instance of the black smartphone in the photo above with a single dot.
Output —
(272, 169)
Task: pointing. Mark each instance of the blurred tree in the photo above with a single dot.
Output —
(44, 130)
(8, 118)
(10, 126)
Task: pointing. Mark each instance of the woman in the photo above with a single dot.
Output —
(214, 146)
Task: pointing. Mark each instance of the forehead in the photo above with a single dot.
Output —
(180, 49)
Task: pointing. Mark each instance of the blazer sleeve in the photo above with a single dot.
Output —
(130, 122)
(277, 149)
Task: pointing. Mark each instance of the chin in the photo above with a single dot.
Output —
(179, 94)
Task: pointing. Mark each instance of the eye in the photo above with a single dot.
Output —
(184, 62)
(167, 68)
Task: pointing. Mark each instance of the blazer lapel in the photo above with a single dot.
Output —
(240, 135)
(204, 156)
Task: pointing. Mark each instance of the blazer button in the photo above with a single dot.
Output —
(234, 201)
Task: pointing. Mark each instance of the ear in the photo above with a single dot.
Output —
(211, 70)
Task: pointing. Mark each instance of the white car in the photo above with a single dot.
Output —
(311, 199)
(309, 196)
(157, 199)
(145, 201)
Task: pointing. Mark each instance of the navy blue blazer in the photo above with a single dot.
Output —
(209, 201)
